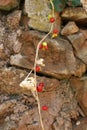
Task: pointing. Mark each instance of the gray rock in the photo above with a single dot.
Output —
(38, 12)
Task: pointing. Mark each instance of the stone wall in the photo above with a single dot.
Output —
(63, 74)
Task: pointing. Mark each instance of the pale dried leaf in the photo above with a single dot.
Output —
(28, 84)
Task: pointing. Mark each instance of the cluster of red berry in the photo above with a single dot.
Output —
(40, 86)
(55, 31)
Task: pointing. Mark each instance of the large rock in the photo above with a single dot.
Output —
(13, 77)
(69, 28)
(60, 102)
(79, 87)
(38, 12)
(8, 5)
(79, 42)
(77, 14)
(59, 59)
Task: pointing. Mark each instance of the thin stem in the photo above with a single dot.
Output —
(35, 63)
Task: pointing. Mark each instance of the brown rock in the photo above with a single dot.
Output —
(81, 68)
(2, 31)
(69, 28)
(13, 19)
(79, 87)
(59, 99)
(3, 55)
(10, 125)
(84, 4)
(59, 59)
(82, 53)
(11, 78)
(24, 21)
(81, 124)
(6, 108)
(77, 14)
(61, 124)
(22, 127)
(79, 43)
(8, 4)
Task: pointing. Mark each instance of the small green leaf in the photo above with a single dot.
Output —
(59, 5)
(75, 2)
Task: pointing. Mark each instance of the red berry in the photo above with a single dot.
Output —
(45, 108)
(41, 46)
(41, 84)
(52, 19)
(40, 87)
(38, 68)
(55, 31)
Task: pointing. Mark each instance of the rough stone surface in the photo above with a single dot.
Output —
(84, 4)
(13, 19)
(81, 124)
(38, 12)
(59, 59)
(3, 53)
(9, 33)
(8, 5)
(64, 74)
(6, 108)
(11, 78)
(79, 42)
(25, 112)
(69, 28)
(77, 14)
(79, 87)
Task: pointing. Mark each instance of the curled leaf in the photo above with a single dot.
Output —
(28, 84)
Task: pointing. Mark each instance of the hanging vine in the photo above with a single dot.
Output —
(30, 83)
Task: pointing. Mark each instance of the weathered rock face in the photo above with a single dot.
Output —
(79, 87)
(3, 55)
(24, 110)
(84, 4)
(13, 19)
(81, 124)
(69, 28)
(63, 67)
(59, 59)
(79, 42)
(38, 12)
(11, 78)
(6, 108)
(77, 14)
(8, 5)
